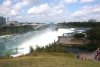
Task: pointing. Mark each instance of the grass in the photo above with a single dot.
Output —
(48, 60)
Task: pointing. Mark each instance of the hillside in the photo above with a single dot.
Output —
(48, 60)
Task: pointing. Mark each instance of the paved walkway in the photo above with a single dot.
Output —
(88, 56)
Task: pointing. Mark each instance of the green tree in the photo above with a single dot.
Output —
(79, 35)
(31, 49)
(93, 35)
(92, 20)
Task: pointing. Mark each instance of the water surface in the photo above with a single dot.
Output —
(23, 41)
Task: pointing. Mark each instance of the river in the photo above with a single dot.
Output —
(22, 42)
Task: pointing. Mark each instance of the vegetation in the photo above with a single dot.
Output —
(92, 20)
(52, 55)
(48, 60)
(49, 48)
(92, 39)
(93, 35)
(79, 35)
(6, 30)
(80, 24)
(7, 54)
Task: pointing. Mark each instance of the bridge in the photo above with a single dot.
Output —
(43, 26)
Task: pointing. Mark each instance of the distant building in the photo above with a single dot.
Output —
(15, 23)
(7, 19)
(2, 20)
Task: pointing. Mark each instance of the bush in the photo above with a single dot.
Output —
(31, 49)
(48, 48)
(7, 54)
(79, 35)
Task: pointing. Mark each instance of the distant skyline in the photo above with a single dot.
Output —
(46, 11)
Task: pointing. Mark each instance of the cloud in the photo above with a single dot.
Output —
(56, 9)
(52, 11)
(70, 1)
(17, 8)
(18, 17)
(96, 10)
(81, 1)
(92, 9)
(79, 13)
(88, 12)
(39, 9)
(30, 2)
(7, 3)
(8, 8)
(5, 7)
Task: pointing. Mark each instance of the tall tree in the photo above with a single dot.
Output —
(94, 36)
(92, 20)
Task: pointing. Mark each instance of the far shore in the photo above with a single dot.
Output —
(6, 35)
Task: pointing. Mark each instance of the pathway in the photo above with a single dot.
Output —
(88, 56)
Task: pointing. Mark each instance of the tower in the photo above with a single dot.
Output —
(7, 19)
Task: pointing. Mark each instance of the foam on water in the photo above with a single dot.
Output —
(43, 39)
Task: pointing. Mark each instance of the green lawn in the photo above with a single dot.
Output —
(48, 60)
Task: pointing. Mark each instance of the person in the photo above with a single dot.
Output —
(98, 49)
(16, 50)
(95, 56)
(99, 57)
(78, 56)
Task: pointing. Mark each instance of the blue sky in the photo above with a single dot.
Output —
(46, 11)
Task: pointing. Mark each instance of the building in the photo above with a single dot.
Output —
(7, 19)
(15, 23)
(2, 20)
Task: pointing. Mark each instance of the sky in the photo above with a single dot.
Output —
(46, 11)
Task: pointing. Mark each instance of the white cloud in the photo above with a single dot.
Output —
(5, 7)
(15, 9)
(56, 9)
(52, 11)
(81, 1)
(26, 2)
(38, 16)
(18, 17)
(13, 12)
(92, 9)
(39, 9)
(70, 1)
(7, 3)
(30, 2)
(96, 10)
(87, 12)
(8, 8)
(79, 13)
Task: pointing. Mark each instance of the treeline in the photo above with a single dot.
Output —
(6, 30)
(54, 47)
(80, 24)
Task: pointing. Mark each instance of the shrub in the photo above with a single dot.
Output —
(31, 49)
(79, 35)
(48, 48)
